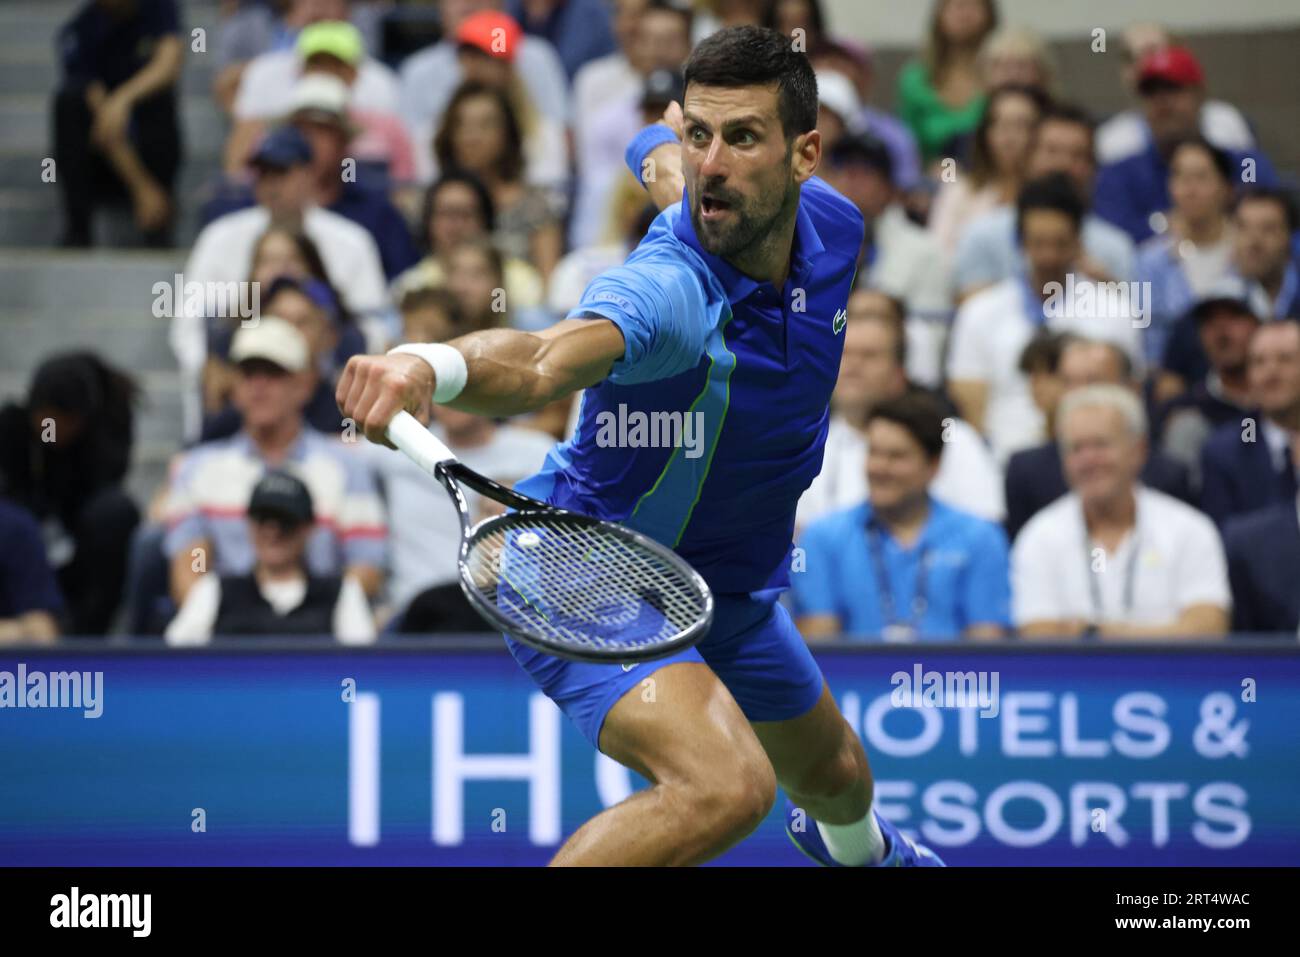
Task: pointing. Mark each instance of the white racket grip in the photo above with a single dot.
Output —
(418, 444)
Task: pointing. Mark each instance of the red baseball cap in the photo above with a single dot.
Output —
(496, 34)
(1170, 66)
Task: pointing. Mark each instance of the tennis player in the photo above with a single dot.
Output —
(733, 307)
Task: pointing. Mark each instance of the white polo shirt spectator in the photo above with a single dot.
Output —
(968, 479)
(1172, 560)
(992, 329)
(1113, 557)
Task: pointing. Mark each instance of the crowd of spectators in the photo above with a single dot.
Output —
(1069, 401)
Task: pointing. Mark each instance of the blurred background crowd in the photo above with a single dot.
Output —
(1070, 396)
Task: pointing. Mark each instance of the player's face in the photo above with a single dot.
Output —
(1101, 457)
(740, 172)
(898, 470)
(1274, 367)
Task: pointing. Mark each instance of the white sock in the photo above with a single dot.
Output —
(856, 844)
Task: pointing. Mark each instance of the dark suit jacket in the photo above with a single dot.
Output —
(1036, 479)
(1238, 477)
(1263, 550)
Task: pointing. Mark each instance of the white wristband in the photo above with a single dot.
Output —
(449, 369)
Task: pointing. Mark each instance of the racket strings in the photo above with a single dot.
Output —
(578, 584)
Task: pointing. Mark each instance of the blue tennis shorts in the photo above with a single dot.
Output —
(753, 648)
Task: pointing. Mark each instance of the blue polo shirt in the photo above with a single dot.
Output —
(966, 579)
(1129, 191)
(749, 367)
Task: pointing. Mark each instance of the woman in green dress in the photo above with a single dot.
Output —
(941, 94)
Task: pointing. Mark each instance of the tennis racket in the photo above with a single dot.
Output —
(561, 582)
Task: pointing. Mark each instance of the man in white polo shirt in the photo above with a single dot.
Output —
(1114, 558)
(993, 327)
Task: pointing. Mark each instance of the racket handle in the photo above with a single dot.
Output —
(418, 444)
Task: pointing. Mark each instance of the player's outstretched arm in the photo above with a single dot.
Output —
(508, 372)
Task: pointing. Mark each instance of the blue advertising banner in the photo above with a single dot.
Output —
(999, 755)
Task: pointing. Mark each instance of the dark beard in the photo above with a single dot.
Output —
(745, 232)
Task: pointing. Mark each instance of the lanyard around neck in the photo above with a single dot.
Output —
(1130, 578)
(919, 602)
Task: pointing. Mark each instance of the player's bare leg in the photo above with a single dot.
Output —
(823, 768)
(820, 762)
(711, 783)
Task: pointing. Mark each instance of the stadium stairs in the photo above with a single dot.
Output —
(52, 299)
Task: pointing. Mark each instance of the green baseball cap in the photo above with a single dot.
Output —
(336, 37)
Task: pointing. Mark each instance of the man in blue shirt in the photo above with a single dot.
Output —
(732, 307)
(1133, 193)
(903, 566)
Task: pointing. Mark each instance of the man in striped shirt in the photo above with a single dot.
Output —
(207, 526)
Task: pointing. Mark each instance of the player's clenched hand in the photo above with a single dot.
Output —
(373, 389)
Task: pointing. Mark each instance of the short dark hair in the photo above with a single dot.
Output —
(756, 56)
(862, 149)
(1271, 194)
(1043, 352)
(1075, 115)
(1055, 191)
(1221, 161)
(920, 413)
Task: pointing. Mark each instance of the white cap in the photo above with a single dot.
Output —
(273, 339)
(835, 92)
(320, 93)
